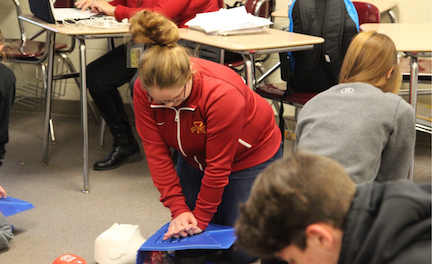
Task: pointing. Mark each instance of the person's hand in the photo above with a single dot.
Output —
(2, 192)
(96, 6)
(183, 225)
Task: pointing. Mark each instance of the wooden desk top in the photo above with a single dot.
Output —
(382, 5)
(408, 37)
(71, 30)
(271, 39)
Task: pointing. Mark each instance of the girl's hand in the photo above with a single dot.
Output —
(96, 6)
(182, 226)
(2, 192)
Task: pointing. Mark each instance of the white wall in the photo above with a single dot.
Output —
(406, 11)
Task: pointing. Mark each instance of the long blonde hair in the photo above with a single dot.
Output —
(166, 64)
(369, 59)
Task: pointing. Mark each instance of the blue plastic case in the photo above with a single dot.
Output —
(10, 206)
(214, 237)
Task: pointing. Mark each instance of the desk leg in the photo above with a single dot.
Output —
(48, 96)
(249, 61)
(84, 119)
(392, 15)
(413, 99)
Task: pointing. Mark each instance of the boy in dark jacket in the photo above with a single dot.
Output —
(306, 209)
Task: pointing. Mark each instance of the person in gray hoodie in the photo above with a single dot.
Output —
(305, 209)
(5, 228)
(362, 123)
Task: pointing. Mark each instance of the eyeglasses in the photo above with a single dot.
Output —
(174, 100)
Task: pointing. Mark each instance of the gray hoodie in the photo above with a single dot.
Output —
(369, 132)
(5, 232)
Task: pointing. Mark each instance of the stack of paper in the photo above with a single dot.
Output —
(232, 21)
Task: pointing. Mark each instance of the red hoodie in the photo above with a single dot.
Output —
(179, 11)
(222, 127)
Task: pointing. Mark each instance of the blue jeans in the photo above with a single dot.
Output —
(236, 192)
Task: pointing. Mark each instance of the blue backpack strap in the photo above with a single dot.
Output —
(352, 12)
(290, 7)
(291, 26)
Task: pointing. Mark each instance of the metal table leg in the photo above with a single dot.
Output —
(84, 118)
(48, 96)
(413, 99)
(249, 61)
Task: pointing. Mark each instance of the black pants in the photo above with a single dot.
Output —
(7, 96)
(104, 76)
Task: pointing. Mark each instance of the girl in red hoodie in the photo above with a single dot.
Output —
(224, 132)
(109, 72)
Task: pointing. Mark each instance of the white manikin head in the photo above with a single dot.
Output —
(118, 245)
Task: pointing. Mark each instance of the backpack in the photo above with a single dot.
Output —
(318, 69)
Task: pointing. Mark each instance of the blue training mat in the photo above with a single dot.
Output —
(214, 237)
(10, 206)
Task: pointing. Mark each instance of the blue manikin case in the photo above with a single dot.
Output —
(214, 237)
(10, 206)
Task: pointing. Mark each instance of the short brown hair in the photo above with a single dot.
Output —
(369, 58)
(166, 64)
(289, 195)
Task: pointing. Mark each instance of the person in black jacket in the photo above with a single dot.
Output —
(306, 209)
(7, 96)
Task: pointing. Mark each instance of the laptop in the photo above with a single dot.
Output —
(44, 9)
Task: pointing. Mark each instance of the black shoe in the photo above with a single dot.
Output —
(119, 155)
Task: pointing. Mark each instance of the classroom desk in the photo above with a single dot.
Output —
(414, 39)
(384, 6)
(80, 34)
(268, 42)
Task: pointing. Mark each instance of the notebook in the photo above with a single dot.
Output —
(44, 9)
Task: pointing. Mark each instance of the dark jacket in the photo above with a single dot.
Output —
(388, 223)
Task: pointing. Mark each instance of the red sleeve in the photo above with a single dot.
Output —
(225, 117)
(169, 8)
(158, 155)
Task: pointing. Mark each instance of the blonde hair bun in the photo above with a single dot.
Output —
(153, 28)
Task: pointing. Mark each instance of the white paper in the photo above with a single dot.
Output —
(228, 22)
(71, 13)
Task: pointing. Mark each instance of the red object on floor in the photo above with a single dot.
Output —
(69, 259)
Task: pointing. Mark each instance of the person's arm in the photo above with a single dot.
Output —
(158, 155)
(170, 9)
(224, 126)
(398, 153)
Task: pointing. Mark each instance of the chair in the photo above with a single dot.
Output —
(367, 13)
(28, 51)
